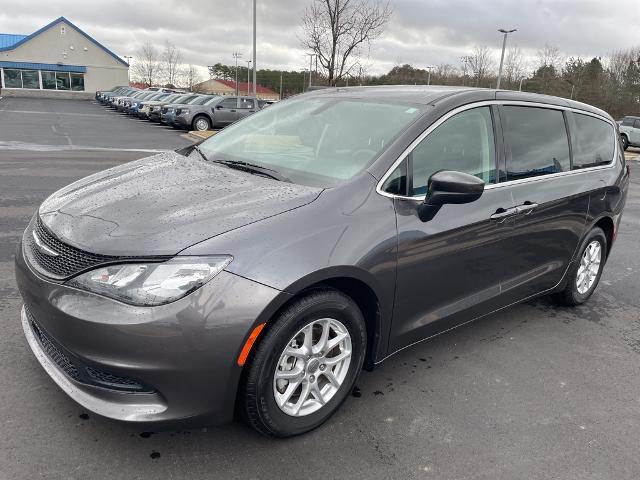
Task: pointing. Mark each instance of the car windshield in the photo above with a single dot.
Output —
(195, 100)
(184, 99)
(200, 101)
(211, 100)
(171, 98)
(317, 141)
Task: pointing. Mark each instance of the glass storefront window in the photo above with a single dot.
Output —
(49, 80)
(77, 82)
(12, 78)
(30, 79)
(62, 81)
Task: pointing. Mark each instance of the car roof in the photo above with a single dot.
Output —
(437, 94)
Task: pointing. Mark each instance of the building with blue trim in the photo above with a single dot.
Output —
(59, 60)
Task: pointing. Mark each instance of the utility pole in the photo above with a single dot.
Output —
(310, 55)
(237, 55)
(280, 85)
(521, 80)
(504, 46)
(248, 81)
(572, 88)
(255, 65)
(128, 58)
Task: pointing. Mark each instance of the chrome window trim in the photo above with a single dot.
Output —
(519, 103)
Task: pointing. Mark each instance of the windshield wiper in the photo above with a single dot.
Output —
(197, 149)
(254, 169)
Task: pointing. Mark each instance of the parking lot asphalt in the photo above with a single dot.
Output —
(532, 392)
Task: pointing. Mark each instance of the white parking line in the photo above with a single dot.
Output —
(54, 113)
(10, 145)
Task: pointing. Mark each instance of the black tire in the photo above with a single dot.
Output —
(625, 142)
(570, 296)
(199, 121)
(257, 400)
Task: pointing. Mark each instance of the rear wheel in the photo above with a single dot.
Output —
(625, 142)
(585, 273)
(306, 364)
(201, 123)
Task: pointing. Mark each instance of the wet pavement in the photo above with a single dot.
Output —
(533, 392)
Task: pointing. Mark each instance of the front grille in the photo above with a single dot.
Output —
(77, 370)
(164, 110)
(70, 260)
(178, 111)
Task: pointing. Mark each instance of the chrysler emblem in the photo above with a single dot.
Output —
(42, 248)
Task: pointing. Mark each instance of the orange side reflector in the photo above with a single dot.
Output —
(244, 353)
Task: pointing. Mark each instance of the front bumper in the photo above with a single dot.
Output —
(184, 351)
(183, 121)
(167, 118)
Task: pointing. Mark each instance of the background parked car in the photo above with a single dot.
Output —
(167, 115)
(135, 104)
(155, 111)
(630, 132)
(217, 112)
(145, 107)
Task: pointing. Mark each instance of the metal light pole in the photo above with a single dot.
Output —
(248, 80)
(310, 55)
(128, 58)
(429, 77)
(255, 65)
(280, 85)
(504, 46)
(521, 80)
(237, 55)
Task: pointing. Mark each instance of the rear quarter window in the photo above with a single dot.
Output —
(595, 142)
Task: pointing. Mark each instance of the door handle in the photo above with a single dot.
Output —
(526, 208)
(232, 111)
(503, 213)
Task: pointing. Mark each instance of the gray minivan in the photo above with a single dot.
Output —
(262, 269)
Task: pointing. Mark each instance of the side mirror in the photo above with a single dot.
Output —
(219, 107)
(448, 186)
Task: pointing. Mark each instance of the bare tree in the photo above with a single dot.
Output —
(146, 67)
(480, 63)
(190, 76)
(171, 58)
(514, 66)
(550, 56)
(337, 30)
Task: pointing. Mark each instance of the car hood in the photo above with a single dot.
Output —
(163, 204)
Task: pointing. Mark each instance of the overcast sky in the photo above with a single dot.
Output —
(421, 32)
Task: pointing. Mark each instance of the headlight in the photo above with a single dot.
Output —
(135, 104)
(150, 284)
(185, 112)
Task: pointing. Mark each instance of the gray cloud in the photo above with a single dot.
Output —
(421, 32)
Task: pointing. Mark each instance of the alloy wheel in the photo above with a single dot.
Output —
(312, 367)
(589, 267)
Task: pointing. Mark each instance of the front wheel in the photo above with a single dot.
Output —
(625, 142)
(585, 273)
(201, 124)
(306, 364)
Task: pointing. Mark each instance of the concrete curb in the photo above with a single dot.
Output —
(201, 135)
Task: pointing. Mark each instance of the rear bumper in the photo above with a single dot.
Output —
(185, 352)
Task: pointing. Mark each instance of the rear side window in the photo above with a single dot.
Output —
(536, 140)
(627, 122)
(595, 142)
(636, 124)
